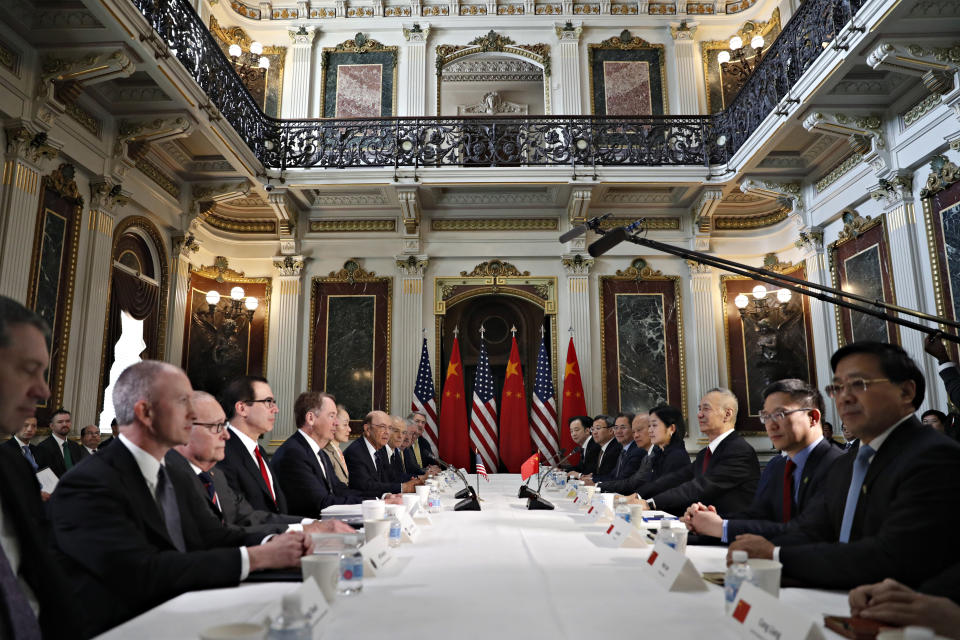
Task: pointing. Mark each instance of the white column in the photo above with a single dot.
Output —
(685, 93)
(905, 262)
(415, 100)
(822, 316)
(299, 77)
(19, 198)
(408, 320)
(283, 362)
(577, 268)
(704, 351)
(179, 290)
(566, 64)
(98, 250)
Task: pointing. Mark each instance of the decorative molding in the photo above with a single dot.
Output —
(943, 174)
(772, 263)
(239, 225)
(29, 143)
(838, 172)
(494, 269)
(106, 195)
(494, 42)
(853, 225)
(501, 69)
(684, 31)
(494, 197)
(303, 36)
(289, 265)
(97, 66)
(659, 223)
(862, 131)
(620, 196)
(577, 264)
(236, 35)
(640, 270)
(895, 191)
(184, 245)
(785, 192)
(359, 44)
(922, 108)
(494, 224)
(409, 210)
(811, 239)
(349, 225)
(728, 223)
(158, 177)
(9, 59)
(412, 266)
(492, 104)
(625, 41)
(84, 118)
(349, 199)
(221, 272)
(416, 33)
(569, 31)
(352, 272)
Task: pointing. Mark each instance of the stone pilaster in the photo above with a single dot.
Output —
(284, 362)
(577, 267)
(409, 322)
(823, 320)
(183, 246)
(687, 96)
(300, 72)
(567, 65)
(415, 102)
(704, 347)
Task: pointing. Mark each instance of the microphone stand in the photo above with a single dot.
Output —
(535, 502)
(796, 285)
(470, 501)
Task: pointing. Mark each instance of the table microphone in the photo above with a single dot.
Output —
(470, 501)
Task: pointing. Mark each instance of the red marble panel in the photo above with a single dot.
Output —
(359, 90)
(627, 88)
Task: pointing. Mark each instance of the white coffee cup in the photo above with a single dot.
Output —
(373, 509)
(636, 515)
(235, 631)
(373, 529)
(423, 492)
(766, 574)
(590, 491)
(324, 568)
(410, 499)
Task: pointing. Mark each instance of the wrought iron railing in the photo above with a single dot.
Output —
(499, 141)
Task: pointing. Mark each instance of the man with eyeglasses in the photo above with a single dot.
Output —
(892, 508)
(609, 449)
(251, 410)
(791, 415)
(367, 461)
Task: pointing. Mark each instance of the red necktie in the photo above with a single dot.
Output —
(788, 489)
(706, 460)
(263, 472)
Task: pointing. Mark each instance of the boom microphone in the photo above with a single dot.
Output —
(581, 229)
(607, 241)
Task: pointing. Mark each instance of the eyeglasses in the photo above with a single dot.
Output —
(854, 386)
(380, 426)
(215, 427)
(779, 415)
(267, 402)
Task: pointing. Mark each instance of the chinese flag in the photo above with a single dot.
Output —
(514, 424)
(530, 466)
(454, 444)
(574, 404)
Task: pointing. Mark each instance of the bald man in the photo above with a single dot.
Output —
(367, 462)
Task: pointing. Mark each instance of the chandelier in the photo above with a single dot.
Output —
(250, 65)
(743, 62)
(763, 309)
(238, 309)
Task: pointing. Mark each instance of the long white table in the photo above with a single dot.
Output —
(500, 572)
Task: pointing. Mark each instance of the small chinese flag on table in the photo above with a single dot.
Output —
(530, 466)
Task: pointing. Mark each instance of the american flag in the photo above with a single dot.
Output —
(424, 397)
(483, 418)
(543, 410)
(481, 470)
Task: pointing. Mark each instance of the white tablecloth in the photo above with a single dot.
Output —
(503, 572)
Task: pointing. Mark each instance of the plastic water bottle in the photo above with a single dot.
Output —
(395, 530)
(351, 569)
(434, 500)
(291, 624)
(622, 510)
(737, 573)
(665, 534)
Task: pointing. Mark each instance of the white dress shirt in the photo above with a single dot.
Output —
(250, 445)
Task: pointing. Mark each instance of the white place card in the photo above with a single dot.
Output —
(410, 529)
(673, 570)
(572, 492)
(593, 514)
(758, 614)
(623, 534)
(312, 603)
(376, 555)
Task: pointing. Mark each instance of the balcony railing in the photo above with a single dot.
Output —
(500, 141)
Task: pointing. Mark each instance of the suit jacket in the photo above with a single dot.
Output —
(310, 491)
(112, 542)
(909, 496)
(52, 456)
(15, 446)
(607, 459)
(398, 469)
(946, 584)
(243, 476)
(364, 476)
(339, 465)
(951, 380)
(729, 482)
(24, 514)
(426, 452)
(106, 442)
(410, 462)
(588, 458)
(659, 462)
(628, 461)
(765, 514)
(213, 526)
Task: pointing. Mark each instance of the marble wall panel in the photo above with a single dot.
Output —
(365, 74)
(358, 90)
(627, 88)
(639, 95)
(942, 214)
(865, 278)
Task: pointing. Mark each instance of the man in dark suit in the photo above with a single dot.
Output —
(422, 450)
(901, 487)
(608, 449)
(214, 506)
(586, 450)
(117, 525)
(58, 452)
(725, 472)
(394, 448)
(630, 456)
(791, 415)
(251, 410)
(114, 433)
(367, 459)
(409, 455)
(31, 578)
(302, 469)
(20, 442)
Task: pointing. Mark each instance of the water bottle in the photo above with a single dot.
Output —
(737, 573)
(291, 624)
(395, 530)
(434, 499)
(622, 510)
(351, 568)
(665, 534)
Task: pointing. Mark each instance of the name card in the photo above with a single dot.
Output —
(623, 534)
(572, 493)
(673, 570)
(593, 514)
(376, 555)
(760, 615)
(410, 529)
(312, 603)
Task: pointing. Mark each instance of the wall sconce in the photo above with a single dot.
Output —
(250, 65)
(239, 308)
(763, 308)
(744, 62)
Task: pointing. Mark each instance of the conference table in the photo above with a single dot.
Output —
(500, 572)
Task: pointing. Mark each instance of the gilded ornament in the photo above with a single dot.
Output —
(494, 269)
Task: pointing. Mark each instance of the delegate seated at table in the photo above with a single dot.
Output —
(666, 430)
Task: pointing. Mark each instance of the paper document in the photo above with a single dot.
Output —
(47, 479)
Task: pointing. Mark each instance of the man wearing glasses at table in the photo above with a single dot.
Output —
(367, 463)
(251, 410)
(890, 510)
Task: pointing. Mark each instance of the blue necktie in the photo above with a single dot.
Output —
(207, 481)
(29, 456)
(860, 466)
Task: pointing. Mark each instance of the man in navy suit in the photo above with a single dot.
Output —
(725, 472)
(900, 487)
(301, 467)
(394, 448)
(631, 455)
(367, 459)
(791, 415)
(59, 452)
(409, 454)
(580, 428)
(251, 410)
(20, 442)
